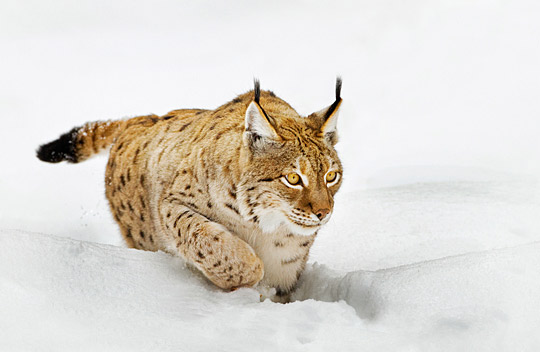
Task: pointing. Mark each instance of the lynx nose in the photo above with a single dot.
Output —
(321, 213)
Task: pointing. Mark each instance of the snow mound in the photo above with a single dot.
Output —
(477, 301)
(60, 294)
(393, 226)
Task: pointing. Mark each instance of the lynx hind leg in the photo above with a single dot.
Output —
(126, 233)
(226, 260)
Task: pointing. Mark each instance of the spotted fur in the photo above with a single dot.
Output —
(212, 185)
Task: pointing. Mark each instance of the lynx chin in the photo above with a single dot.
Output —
(239, 192)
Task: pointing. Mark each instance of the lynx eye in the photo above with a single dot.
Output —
(293, 178)
(331, 176)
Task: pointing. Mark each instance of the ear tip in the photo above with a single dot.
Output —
(256, 90)
(339, 82)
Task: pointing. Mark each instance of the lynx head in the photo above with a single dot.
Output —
(292, 170)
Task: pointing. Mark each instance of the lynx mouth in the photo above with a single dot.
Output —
(309, 225)
(303, 228)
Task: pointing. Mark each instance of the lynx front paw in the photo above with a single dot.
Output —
(241, 268)
(236, 273)
(233, 262)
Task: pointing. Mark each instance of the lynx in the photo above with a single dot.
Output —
(240, 192)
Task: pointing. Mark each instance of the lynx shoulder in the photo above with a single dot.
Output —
(240, 191)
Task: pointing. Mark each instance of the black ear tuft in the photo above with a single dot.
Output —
(332, 108)
(257, 90)
(62, 149)
(338, 88)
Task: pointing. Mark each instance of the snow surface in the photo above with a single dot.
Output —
(434, 242)
(64, 294)
(98, 297)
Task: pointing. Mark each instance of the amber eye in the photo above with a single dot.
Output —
(331, 176)
(293, 178)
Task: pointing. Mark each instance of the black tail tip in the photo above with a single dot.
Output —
(62, 149)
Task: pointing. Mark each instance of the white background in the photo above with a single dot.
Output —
(433, 90)
(441, 98)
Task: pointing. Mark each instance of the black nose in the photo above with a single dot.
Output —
(321, 213)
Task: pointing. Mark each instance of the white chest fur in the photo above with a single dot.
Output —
(284, 255)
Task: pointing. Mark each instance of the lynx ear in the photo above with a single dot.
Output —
(260, 128)
(329, 115)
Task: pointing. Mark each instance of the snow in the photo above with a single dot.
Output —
(72, 294)
(95, 297)
(392, 226)
(482, 301)
(435, 237)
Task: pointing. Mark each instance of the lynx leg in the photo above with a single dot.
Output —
(225, 259)
(126, 233)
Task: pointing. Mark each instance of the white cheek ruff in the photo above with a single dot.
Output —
(270, 220)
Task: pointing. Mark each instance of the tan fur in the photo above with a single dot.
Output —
(193, 184)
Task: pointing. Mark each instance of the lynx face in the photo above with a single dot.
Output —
(301, 195)
(295, 170)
